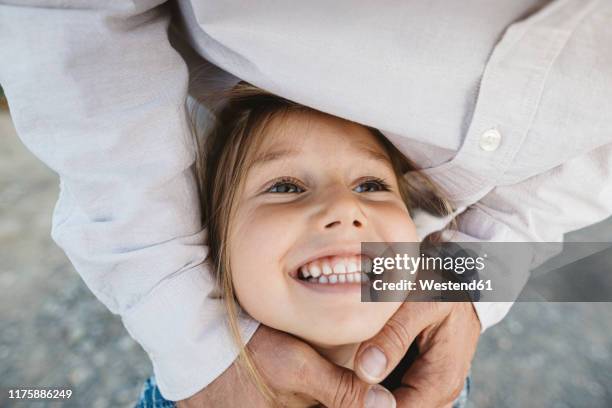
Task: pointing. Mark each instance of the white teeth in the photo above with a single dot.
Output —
(314, 269)
(354, 277)
(327, 270)
(367, 264)
(340, 267)
(345, 269)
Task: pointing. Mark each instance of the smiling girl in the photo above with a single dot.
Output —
(288, 195)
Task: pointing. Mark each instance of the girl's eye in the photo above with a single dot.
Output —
(285, 187)
(290, 186)
(372, 186)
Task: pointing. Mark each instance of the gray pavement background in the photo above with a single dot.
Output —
(54, 332)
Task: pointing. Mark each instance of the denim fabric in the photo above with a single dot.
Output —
(150, 397)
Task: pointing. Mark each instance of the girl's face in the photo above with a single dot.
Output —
(316, 191)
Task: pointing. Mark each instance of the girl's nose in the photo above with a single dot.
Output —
(356, 223)
(342, 210)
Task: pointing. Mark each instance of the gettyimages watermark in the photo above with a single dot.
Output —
(487, 271)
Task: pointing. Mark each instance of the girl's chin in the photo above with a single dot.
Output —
(335, 338)
(347, 330)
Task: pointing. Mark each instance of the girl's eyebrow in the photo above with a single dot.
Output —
(274, 155)
(374, 154)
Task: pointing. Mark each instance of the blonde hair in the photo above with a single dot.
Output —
(224, 155)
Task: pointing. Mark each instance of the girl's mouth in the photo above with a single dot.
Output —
(337, 269)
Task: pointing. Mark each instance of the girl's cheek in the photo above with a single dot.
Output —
(252, 225)
(395, 224)
(260, 240)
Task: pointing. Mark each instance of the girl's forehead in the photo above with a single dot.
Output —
(318, 132)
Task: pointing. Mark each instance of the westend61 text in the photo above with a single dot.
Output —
(430, 284)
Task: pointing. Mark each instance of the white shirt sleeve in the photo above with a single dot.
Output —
(540, 209)
(97, 93)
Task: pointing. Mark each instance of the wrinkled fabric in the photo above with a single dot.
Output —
(97, 92)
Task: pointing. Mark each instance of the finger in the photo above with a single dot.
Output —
(338, 387)
(426, 385)
(377, 357)
(437, 376)
(293, 367)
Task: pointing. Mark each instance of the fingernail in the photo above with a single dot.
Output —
(373, 363)
(379, 397)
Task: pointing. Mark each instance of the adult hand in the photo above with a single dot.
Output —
(298, 375)
(446, 334)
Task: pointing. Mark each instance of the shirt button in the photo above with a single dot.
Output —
(490, 140)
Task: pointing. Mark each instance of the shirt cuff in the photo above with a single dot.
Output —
(491, 313)
(185, 333)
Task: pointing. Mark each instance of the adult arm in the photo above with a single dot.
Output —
(542, 208)
(97, 93)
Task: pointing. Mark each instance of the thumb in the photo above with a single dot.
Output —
(377, 357)
(338, 387)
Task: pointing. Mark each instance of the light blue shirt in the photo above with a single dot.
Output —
(505, 104)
